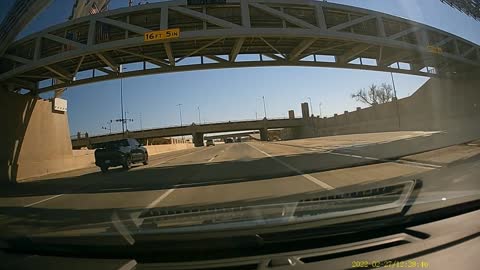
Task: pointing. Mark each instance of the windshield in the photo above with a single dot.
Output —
(194, 119)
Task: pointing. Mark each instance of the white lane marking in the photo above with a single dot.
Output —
(169, 159)
(210, 160)
(136, 216)
(418, 164)
(129, 265)
(161, 198)
(400, 161)
(44, 200)
(354, 156)
(168, 192)
(306, 175)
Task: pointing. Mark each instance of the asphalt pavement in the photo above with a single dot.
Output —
(224, 173)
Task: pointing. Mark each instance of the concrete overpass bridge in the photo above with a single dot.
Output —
(224, 136)
(229, 34)
(197, 131)
(182, 35)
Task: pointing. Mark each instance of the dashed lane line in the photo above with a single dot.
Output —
(162, 197)
(159, 199)
(307, 176)
(400, 161)
(44, 200)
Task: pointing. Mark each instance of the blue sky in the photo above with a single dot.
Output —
(224, 95)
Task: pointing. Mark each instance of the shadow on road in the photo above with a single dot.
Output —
(215, 173)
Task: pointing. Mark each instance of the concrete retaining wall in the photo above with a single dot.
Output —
(440, 104)
(35, 140)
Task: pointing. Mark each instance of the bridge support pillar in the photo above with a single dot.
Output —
(198, 139)
(263, 134)
(35, 139)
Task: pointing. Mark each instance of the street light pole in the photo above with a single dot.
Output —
(264, 107)
(311, 108)
(180, 108)
(121, 105)
(199, 116)
(396, 100)
(394, 89)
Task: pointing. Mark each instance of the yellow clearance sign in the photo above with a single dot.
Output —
(162, 34)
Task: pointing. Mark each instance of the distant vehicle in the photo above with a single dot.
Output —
(229, 140)
(238, 139)
(210, 143)
(123, 153)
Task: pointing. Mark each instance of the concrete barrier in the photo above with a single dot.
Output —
(164, 148)
(82, 159)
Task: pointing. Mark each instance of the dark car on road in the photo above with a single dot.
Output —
(210, 143)
(123, 153)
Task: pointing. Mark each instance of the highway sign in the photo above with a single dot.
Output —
(162, 34)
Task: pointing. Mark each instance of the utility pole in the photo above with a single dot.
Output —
(141, 123)
(320, 110)
(125, 119)
(264, 107)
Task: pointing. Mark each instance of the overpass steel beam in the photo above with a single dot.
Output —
(297, 51)
(204, 17)
(108, 61)
(233, 65)
(282, 15)
(153, 60)
(236, 49)
(60, 72)
(199, 49)
(352, 53)
(169, 52)
(18, 59)
(65, 41)
(242, 35)
(216, 58)
(224, 32)
(125, 26)
(352, 23)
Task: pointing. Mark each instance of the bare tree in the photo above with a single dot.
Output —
(375, 94)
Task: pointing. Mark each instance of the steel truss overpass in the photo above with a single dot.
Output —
(237, 33)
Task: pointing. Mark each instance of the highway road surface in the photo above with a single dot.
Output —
(235, 172)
